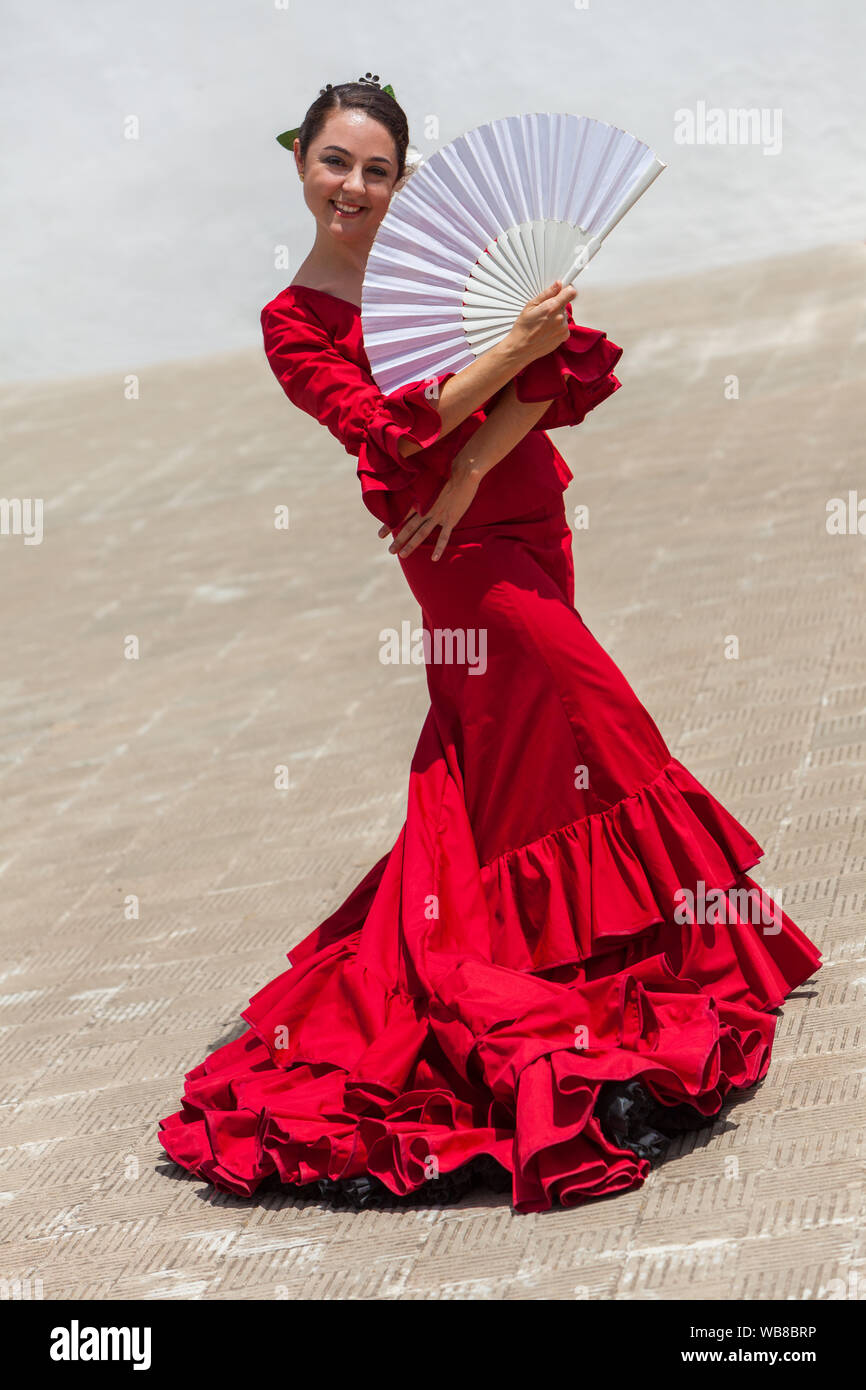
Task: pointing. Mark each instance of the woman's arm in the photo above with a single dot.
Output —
(541, 327)
(508, 422)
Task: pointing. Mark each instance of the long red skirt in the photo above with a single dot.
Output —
(565, 907)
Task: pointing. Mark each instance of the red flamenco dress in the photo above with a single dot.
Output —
(511, 995)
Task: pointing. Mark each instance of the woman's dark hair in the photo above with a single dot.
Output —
(358, 96)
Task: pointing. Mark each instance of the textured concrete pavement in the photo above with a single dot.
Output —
(152, 878)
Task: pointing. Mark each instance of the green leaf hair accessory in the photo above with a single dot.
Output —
(288, 138)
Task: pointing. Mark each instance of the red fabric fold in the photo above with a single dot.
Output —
(580, 889)
(576, 377)
(406, 414)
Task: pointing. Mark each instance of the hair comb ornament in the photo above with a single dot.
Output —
(288, 137)
(488, 222)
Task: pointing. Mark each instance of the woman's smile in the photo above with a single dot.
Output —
(347, 210)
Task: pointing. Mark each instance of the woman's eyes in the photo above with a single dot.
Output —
(335, 159)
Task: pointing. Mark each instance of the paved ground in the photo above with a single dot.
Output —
(154, 777)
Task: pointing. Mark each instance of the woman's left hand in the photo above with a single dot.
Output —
(453, 500)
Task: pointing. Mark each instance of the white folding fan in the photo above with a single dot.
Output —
(483, 226)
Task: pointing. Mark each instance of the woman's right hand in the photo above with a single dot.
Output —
(542, 325)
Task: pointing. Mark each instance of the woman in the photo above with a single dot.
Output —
(562, 960)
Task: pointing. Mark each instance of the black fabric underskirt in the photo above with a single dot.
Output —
(629, 1117)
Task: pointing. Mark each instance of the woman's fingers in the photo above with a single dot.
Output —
(565, 296)
(385, 530)
(405, 533)
(542, 295)
(444, 538)
(405, 530)
(557, 291)
(416, 528)
(420, 534)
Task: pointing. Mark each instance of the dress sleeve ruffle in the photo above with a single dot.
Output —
(575, 377)
(409, 413)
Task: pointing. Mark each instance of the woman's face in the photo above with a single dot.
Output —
(349, 175)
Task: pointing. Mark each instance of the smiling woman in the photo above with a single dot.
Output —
(348, 170)
(511, 994)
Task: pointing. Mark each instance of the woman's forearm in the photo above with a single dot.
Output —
(541, 327)
(508, 422)
(468, 389)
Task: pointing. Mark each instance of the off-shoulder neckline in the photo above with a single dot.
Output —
(310, 290)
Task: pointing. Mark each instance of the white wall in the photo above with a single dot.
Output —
(118, 253)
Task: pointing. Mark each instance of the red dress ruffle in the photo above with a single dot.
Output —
(576, 377)
(341, 1074)
(534, 935)
(408, 414)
